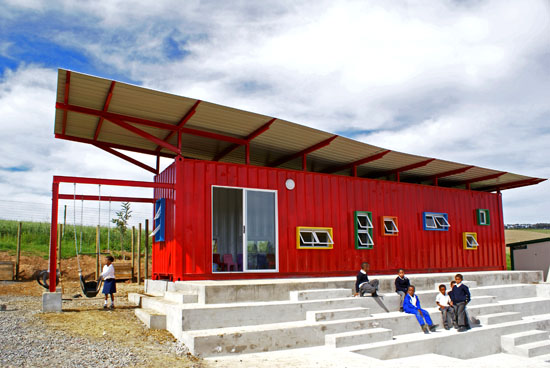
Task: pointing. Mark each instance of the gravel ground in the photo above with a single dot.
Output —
(79, 337)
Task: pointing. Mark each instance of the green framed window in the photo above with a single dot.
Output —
(363, 230)
(483, 217)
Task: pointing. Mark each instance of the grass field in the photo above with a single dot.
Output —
(35, 239)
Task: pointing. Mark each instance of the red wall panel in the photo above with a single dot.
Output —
(329, 201)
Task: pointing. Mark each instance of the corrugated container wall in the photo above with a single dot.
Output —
(323, 200)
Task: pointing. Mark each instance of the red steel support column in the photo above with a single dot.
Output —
(247, 152)
(501, 230)
(355, 170)
(304, 162)
(179, 266)
(53, 237)
(158, 164)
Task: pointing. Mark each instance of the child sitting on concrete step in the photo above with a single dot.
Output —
(402, 284)
(443, 301)
(411, 305)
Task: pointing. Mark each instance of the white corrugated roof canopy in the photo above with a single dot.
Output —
(117, 116)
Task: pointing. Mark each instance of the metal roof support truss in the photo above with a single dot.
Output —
(303, 153)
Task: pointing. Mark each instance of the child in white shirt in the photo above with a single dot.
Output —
(109, 282)
(445, 305)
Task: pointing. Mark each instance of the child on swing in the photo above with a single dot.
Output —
(109, 283)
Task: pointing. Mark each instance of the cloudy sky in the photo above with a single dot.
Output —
(466, 81)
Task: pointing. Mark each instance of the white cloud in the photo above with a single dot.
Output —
(463, 81)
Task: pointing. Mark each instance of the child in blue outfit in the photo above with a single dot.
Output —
(109, 282)
(411, 305)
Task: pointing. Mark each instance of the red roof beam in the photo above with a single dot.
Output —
(306, 151)
(113, 145)
(114, 182)
(405, 168)
(250, 137)
(188, 115)
(513, 184)
(482, 178)
(155, 124)
(105, 108)
(144, 134)
(451, 172)
(82, 197)
(66, 100)
(362, 161)
(126, 158)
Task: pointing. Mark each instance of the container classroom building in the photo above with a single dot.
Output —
(251, 196)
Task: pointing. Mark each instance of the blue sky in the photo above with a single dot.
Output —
(461, 81)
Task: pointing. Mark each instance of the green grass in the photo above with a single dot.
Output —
(544, 231)
(35, 239)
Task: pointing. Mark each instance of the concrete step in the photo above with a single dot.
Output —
(532, 349)
(496, 318)
(269, 337)
(509, 291)
(508, 342)
(199, 317)
(482, 299)
(358, 337)
(319, 294)
(476, 342)
(180, 297)
(335, 314)
(152, 319)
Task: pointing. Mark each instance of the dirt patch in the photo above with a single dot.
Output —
(85, 319)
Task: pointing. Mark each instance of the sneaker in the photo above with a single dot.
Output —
(433, 328)
(447, 328)
(462, 329)
(104, 306)
(425, 329)
(401, 309)
(112, 306)
(375, 294)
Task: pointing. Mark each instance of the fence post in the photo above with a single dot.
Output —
(139, 255)
(132, 242)
(146, 248)
(97, 234)
(59, 238)
(18, 250)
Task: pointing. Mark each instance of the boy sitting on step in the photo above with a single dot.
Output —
(362, 283)
(411, 305)
(402, 284)
(443, 301)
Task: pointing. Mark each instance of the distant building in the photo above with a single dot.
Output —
(529, 250)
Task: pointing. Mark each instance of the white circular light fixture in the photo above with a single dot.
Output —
(289, 184)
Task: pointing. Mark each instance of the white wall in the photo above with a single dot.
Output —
(535, 257)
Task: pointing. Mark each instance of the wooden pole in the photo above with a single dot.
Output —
(97, 252)
(132, 242)
(139, 255)
(146, 248)
(59, 238)
(17, 256)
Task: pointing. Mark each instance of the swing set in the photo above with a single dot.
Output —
(50, 278)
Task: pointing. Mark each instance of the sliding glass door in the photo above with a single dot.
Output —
(244, 230)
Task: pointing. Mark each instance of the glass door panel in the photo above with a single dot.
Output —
(260, 230)
(227, 229)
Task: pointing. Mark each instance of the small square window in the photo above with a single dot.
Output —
(483, 217)
(436, 221)
(389, 226)
(469, 241)
(314, 238)
(363, 230)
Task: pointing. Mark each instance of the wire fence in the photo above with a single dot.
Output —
(85, 213)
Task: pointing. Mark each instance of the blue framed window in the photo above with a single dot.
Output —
(160, 211)
(435, 221)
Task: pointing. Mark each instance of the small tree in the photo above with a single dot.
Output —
(121, 221)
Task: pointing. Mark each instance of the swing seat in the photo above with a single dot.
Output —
(90, 288)
(43, 278)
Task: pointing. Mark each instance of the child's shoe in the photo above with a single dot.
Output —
(433, 328)
(425, 329)
(111, 307)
